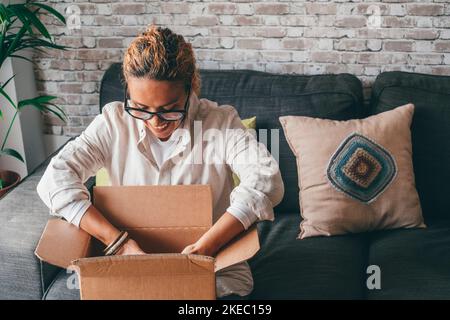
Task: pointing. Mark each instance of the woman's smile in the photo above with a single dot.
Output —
(161, 129)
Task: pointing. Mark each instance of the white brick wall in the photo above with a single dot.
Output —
(304, 37)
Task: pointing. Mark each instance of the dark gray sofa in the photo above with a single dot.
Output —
(415, 264)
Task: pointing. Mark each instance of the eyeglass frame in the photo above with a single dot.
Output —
(157, 113)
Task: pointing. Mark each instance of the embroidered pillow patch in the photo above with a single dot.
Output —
(361, 168)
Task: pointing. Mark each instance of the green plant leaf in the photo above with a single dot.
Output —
(37, 49)
(1, 114)
(52, 11)
(43, 103)
(16, 10)
(31, 15)
(55, 113)
(58, 108)
(21, 57)
(35, 42)
(4, 12)
(28, 102)
(7, 81)
(44, 99)
(12, 153)
(4, 94)
(13, 47)
(36, 100)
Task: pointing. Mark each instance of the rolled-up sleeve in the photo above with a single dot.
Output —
(63, 180)
(261, 187)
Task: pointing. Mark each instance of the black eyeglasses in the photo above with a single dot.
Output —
(133, 110)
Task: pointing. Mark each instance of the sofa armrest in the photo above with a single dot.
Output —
(23, 217)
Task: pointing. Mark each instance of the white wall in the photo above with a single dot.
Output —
(26, 135)
(53, 142)
(15, 140)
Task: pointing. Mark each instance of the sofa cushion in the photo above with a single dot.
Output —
(430, 132)
(313, 268)
(286, 268)
(360, 178)
(22, 218)
(414, 263)
(268, 96)
(63, 287)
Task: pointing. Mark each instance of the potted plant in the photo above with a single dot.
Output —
(21, 29)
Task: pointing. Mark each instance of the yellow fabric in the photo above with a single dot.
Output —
(249, 123)
(102, 176)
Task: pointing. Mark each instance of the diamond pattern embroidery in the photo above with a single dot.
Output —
(361, 169)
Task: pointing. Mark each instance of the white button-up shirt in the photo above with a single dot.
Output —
(211, 144)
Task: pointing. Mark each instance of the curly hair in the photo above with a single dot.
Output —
(160, 54)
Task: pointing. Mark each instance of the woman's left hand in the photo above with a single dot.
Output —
(226, 228)
(200, 247)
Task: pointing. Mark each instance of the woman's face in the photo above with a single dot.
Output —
(155, 95)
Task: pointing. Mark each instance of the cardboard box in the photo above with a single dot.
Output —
(163, 220)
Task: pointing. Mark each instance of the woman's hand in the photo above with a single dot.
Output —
(94, 223)
(130, 247)
(200, 247)
(225, 229)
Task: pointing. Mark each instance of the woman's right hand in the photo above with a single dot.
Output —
(94, 223)
(130, 247)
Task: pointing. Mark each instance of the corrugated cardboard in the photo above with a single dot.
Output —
(163, 220)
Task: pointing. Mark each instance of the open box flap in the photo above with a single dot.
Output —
(243, 247)
(155, 206)
(162, 219)
(156, 276)
(62, 242)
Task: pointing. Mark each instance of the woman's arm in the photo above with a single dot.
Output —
(62, 183)
(94, 223)
(63, 180)
(260, 189)
(225, 229)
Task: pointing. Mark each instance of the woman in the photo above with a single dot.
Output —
(140, 141)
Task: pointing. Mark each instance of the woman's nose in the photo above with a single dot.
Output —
(155, 121)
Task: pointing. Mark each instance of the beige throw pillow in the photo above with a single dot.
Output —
(355, 175)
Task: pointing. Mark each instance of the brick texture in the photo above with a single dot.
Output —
(302, 37)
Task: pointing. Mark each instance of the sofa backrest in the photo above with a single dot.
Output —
(430, 132)
(269, 96)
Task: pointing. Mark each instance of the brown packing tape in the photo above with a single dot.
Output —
(156, 276)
